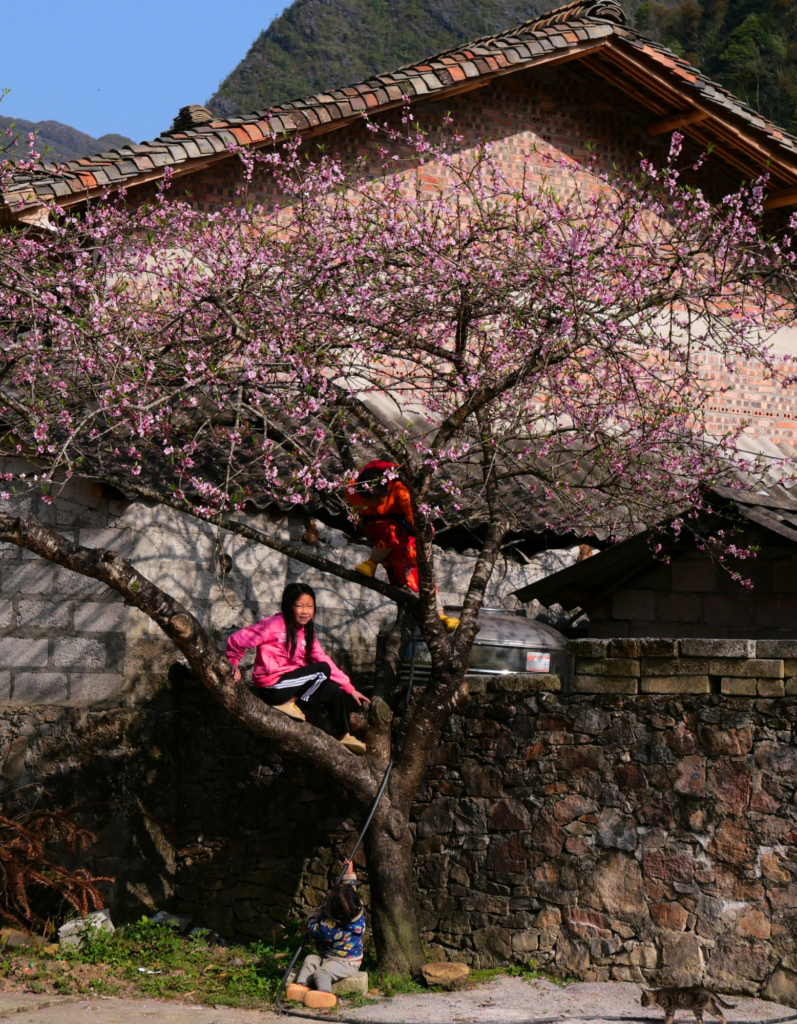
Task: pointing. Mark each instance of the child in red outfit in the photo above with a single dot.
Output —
(385, 510)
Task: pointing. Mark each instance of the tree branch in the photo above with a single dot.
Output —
(193, 641)
(401, 597)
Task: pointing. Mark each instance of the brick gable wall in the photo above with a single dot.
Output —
(560, 111)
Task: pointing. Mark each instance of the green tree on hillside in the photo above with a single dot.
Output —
(749, 46)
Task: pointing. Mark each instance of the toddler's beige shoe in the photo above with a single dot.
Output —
(320, 1000)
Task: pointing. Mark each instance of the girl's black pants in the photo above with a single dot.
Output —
(312, 685)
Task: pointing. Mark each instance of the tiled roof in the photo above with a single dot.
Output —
(594, 30)
(772, 507)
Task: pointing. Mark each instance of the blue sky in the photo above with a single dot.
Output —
(119, 67)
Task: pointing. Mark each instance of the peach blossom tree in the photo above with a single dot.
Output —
(526, 356)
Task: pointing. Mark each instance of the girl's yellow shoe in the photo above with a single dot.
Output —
(296, 993)
(449, 624)
(367, 568)
(291, 710)
(355, 746)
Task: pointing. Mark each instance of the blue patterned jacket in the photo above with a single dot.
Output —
(344, 941)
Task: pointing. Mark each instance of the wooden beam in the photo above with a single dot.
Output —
(759, 153)
(783, 197)
(651, 104)
(676, 121)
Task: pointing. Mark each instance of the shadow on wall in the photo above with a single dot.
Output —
(260, 840)
(115, 768)
(190, 811)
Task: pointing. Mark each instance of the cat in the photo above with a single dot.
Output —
(696, 998)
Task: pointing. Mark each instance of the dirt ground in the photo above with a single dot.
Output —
(505, 999)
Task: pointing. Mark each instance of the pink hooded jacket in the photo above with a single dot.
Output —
(273, 658)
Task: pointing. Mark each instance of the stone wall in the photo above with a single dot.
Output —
(649, 838)
(632, 837)
(740, 668)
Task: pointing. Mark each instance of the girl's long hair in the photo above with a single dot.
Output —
(290, 595)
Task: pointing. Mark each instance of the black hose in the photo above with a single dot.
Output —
(529, 1020)
(364, 829)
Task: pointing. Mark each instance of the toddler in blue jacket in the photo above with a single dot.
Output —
(337, 928)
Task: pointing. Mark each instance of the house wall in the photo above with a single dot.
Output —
(694, 596)
(559, 111)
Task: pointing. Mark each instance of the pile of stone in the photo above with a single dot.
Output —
(71, 933)
(739, 668)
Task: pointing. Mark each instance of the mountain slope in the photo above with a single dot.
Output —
(62, 141)
(320, 44)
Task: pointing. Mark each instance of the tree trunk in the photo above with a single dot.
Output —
(394, 919)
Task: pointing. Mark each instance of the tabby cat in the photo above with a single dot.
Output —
(696, 998)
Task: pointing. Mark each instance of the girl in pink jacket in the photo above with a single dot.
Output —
(291, 666)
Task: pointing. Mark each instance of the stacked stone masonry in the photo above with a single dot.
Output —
(639, 837)
(645, 837)
(740, 668)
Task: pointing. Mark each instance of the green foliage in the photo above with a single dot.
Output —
(399, 985)
(155, 961)
(313, 46)
(528, 972)
(749, 46)
(60, 141)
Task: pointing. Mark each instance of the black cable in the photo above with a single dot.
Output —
(360, 837)
(364, 829)
(529, 1020)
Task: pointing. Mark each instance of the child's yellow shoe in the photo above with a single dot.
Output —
(320, 1000)
(355, 746)
(367, 568)
(291, 710)
(296, 993)
(449, 624)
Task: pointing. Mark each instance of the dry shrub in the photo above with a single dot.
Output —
(28, 863)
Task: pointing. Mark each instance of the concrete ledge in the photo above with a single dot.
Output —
(607, 666)
(747, 668)
(776, 649)
(736, 687)
(649, 665)
(521, 682)
(676, 684)
(717, 648)
(605, 684)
